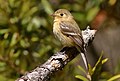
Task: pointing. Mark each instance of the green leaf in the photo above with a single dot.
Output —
(2, 31)
(82, 69)
(24, 43)
(81, 78)
(114, 77)
(97, 69)
(92, 13)
(98, 62)
(14, 39)
(79, 16)
(90, 69)
(47, 6)
(11, 3)
(105, 60)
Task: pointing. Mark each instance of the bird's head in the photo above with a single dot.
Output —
(62, 14)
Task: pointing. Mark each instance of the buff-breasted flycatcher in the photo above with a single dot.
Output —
(68, 32)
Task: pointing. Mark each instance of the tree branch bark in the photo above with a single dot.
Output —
(57, 61)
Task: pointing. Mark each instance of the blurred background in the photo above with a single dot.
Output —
(26, 37)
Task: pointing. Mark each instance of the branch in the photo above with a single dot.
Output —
(57, 61)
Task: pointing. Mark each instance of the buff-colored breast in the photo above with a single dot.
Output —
(66, 41)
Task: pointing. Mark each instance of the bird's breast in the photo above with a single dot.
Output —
(66, 41)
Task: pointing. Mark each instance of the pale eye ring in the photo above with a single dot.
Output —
(61, 14)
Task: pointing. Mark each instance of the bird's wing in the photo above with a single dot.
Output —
(74, 33)
(72, 30)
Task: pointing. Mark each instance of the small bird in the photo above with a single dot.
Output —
(68, 32)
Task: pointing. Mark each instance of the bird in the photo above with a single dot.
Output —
(67, 31)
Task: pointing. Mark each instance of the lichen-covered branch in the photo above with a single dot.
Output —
(57, 61)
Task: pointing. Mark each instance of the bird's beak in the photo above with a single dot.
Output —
(53, 15)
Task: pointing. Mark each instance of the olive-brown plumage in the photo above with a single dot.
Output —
(68, 32)
(66, 29)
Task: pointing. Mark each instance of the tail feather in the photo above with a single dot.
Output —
(85, 60)
(83, 55)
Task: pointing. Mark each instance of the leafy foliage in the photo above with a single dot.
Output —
(26, 38)
(95, 71)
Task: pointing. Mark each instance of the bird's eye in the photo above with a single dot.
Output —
(61, 14)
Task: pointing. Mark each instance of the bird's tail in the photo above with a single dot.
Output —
(83, 55)
(85, 60)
